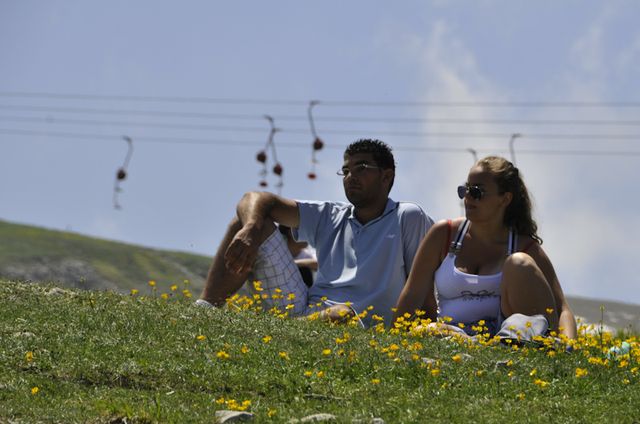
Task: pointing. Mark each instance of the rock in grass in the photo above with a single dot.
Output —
(429, 361)
(57, 291)
(315, 418)
(25, 334)
(225, 416)
(502, 364)
(374, 420)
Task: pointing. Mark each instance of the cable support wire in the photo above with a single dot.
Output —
(238, 143)
(465, 135)
(342, 119)
(281, 102)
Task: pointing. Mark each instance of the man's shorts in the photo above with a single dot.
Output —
(280, 281)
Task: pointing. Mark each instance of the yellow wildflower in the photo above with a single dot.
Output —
(326, 352)
(308, 373)
(266, 339)
(435, 372)
(540, 383)
(222, 355)
(284, 355)
(201, 337)
(520, 396)
(244, 349)
(152, 283)
(320, 374)
(271, 413)
(164, 296)
(34, 390)
(28, 356)
(581, 372)
(173, 287)
(456, 358)
(375, 381)
(533, 372)
(549, 311)
(134, 292)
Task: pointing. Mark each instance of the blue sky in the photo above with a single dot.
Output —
(387, 70)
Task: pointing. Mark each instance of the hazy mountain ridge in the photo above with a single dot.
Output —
(74, 260)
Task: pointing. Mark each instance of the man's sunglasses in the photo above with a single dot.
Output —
(357, 170)
(474, 191)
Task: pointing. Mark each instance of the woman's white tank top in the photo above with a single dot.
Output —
(468, 298)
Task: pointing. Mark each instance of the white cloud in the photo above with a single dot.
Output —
(573, 194)
(628, 60)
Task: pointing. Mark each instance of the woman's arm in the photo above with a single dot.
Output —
(418, 293)
(566, 319)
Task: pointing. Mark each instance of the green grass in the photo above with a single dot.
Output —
(102, 356)
(116, 265)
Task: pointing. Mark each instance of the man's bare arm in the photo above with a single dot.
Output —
(257, 211)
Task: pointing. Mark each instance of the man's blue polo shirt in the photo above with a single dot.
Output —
(366, 265)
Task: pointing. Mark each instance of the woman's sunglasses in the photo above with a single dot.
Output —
(474, 191)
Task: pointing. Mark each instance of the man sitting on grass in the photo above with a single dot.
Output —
(365, 249)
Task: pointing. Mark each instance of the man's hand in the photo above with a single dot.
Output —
(242, 251)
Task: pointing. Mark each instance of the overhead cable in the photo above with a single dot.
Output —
(344, 119)
(440, 134)
(238, 143)
(351, 103)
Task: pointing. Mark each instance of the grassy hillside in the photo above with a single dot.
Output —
(37, 254)
(41, 255)
(83, 356)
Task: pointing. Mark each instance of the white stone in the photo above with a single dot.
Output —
(225, 416)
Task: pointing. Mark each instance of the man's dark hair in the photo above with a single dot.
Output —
(380, 151)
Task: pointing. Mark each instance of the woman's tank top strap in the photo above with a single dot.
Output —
(513, 242)
(446, 244)
(456, 244)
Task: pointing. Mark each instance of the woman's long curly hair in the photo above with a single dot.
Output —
(518, 213)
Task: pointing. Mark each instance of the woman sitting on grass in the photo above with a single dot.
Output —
(490, 265)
